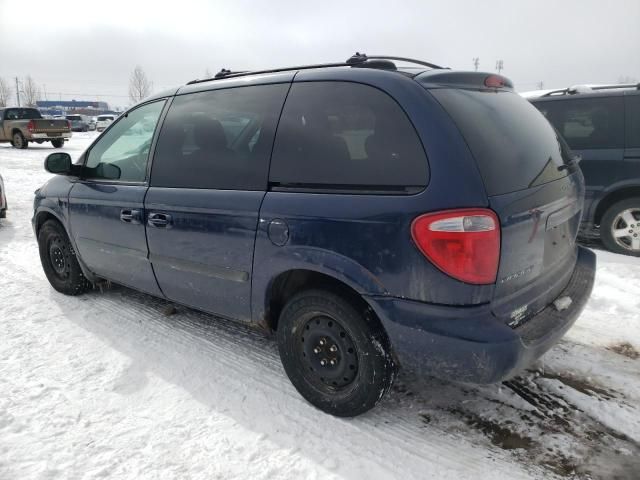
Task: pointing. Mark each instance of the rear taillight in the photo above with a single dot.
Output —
(495, 81)
(31, 126)
(68, 124)
(464, 244)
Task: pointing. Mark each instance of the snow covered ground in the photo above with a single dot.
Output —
(109, 385)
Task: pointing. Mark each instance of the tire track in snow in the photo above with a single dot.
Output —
(209, 359)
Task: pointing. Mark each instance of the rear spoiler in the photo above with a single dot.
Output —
(472, 80)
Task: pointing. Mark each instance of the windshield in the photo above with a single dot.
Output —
(22, 114)
(103, 119)
(74, 117)
(515, 147)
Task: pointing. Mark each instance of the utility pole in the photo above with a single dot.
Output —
(499, 65)
(476, 62)
(540, 85)
(17, 91)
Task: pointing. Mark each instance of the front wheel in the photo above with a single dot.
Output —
(57, 143)
(335, 352)
(59, 260)
(620, 227)
(18, 141)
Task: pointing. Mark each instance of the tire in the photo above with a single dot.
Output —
(318, 327)
(624, 218)
(57, 143)
(59, 260)
(18, 141)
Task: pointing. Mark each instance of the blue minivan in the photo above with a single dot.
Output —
(371, 215)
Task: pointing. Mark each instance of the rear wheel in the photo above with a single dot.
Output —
(18, 141)
(620, 227)
(335, 353)
(59, 260)
(57, 143)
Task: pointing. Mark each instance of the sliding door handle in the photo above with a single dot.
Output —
(130, 216)
(159, 220)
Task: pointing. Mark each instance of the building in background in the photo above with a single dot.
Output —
(64, 107)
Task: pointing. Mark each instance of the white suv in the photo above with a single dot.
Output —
(104, 121)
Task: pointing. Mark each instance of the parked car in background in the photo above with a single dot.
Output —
(364, 214)
(23, 125)
(3, 199)
(79, 123)
(602, 124)
(92, 123)
(103, 121)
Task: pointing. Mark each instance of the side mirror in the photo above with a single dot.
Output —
(58, 163)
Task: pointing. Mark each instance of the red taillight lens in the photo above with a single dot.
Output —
(68, 124)
(464, 244)
(31, 126)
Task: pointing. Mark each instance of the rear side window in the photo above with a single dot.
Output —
(633, 121)
(339, 135)
(587, 123)
(514, 146)
(22, 114)
(219, 139)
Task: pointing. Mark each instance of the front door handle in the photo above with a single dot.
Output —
(130, 216)
(159, 220)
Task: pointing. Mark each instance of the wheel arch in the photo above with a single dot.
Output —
(622, 193)
(286, 284)
(43, 215)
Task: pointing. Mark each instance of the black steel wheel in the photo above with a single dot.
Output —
(59, 260)
(328, 353)
(335, 352)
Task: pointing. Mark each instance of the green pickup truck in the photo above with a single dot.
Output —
(20, 126)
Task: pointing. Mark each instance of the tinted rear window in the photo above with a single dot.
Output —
(513, 144)
(22, 114)
(74, 117)
(219, 139)
(587, 123)
(341, 135)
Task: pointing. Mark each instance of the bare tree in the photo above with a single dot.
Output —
(31, 91)
(5, 92)
(139, 85)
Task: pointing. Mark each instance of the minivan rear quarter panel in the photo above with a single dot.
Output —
(365, 240)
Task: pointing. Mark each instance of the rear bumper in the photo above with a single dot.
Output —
(48, 136)
(470, 344)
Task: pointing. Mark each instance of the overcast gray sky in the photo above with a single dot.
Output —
(82, 49)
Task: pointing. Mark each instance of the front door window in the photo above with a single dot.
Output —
(122, 152)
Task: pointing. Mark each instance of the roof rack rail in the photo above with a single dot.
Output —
(589, 88)
(357, 60)
(360, 58)
(615, 86)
